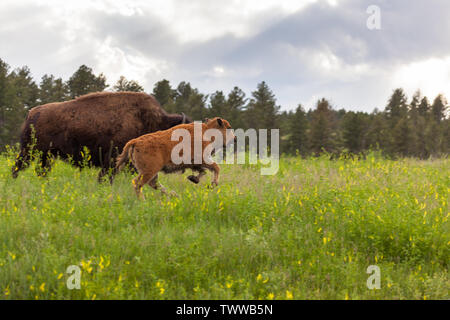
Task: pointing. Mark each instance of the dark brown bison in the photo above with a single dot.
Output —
(103, 122)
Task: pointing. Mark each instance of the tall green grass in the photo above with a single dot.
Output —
(309, 232)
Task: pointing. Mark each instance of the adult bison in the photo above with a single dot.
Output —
(103, 122)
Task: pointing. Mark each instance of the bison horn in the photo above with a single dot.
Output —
(184, 118)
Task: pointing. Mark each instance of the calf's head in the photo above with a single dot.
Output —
(224, 127)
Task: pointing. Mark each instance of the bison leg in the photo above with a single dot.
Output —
(108, 167)
(101, 174)
(196, 179)
(45, 165)
(140, 181)
(155, 184)
(137, 184)
(22, 162)
(214, 168)
(110, 171)
(112, 175)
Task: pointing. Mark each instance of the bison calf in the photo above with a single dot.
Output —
(155, 152)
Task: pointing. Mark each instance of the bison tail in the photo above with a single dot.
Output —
(124, 156)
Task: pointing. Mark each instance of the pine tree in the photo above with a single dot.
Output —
(197, 105)
(262, 109)
(164, 93)
(414, 104)
(236, 103)
(420, 148)
(446, 136)
(420, 129)
(27, 92)
(181, 98)
(84, 81)
(354, 131)
(439, 108)
(52, 90)
(397, 105)
(424, 107)
(377, 133)
(19, 94)
(436, 128)
(321, 128)
(397, 111)
(401, 138)
(298, 126)
(434, 138)
(190, 101)
(218, 105)
(414, 119)
(5, 89)
(127, 85)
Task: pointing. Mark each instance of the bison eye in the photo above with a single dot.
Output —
(220, 122)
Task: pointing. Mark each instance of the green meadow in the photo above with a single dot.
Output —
(308, 232)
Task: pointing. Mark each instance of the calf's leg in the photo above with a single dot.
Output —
(196, 179)
(155, 184)
(141, 180)
(214, 167)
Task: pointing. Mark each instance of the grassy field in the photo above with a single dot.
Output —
(309, 232)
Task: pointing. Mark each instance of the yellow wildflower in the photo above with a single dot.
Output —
(289, 295)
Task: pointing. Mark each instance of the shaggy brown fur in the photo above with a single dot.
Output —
(151, 153)
(103, 122)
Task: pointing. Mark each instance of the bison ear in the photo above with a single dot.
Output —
(220, 122)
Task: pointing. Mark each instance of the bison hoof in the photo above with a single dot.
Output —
(194, 179)
(213, 184)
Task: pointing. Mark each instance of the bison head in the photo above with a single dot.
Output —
(174, 119)
(224, 127)
(185, 119)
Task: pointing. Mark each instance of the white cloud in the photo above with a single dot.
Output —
(202, 20)
(431, 76)
(219, 70)
(194, 20)
(114, 62)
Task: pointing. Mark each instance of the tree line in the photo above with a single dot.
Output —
(405, 128)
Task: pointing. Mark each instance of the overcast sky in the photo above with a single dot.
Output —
(303, 49)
